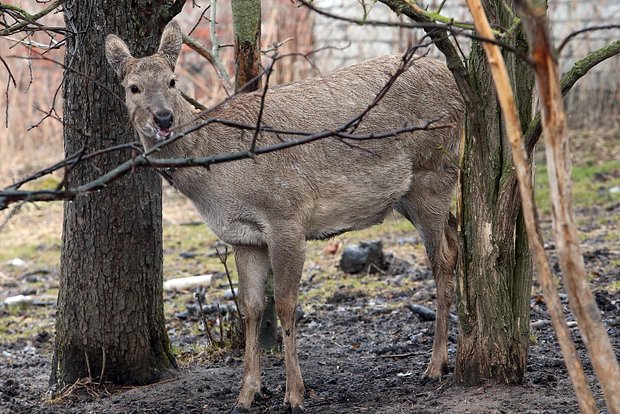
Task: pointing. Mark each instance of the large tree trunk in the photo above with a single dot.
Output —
(110, 322)
(494, 284)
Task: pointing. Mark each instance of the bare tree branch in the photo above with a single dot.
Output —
(343, 134)
(10, 196)
(579, 70)
(221, 72)
(441, 39)
(11, 79)
(572, 35)
(202, 16)
(262, 101)
(27, 18)
(41, 56)
(194, 102)
(602, 355)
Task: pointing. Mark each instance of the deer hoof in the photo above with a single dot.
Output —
(430, 380)
(433, 373)
(239, 410)
(288, 409)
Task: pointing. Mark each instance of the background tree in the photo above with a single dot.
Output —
(110, 322)
(247, 27)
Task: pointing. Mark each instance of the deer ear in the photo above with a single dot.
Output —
(171, 42)
(118, 55)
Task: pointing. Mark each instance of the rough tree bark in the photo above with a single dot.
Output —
(110, 322)
(494, 283)
(247, 27)
(246, 23)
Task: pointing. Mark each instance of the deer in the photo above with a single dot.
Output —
(266, 208)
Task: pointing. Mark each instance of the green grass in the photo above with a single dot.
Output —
(22, 325)
(196, 239)
(613, 286)
(329, 280)
(40, 255)
(45, 252)
(395, 225)
(587, 192)
(48, 182)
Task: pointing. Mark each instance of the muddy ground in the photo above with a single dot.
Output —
(361, 348)
(358, 354)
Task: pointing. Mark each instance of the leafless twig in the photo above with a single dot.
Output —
(572, 35)
(24, 19)
(223, 256)
(205, 322)
(263, 95)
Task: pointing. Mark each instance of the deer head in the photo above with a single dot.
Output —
(150, 93)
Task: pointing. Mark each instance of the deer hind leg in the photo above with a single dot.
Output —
(253, 268)
(437, 226)
(287, 258)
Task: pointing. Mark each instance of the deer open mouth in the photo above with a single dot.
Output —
(164, 132)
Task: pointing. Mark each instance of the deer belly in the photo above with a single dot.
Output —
(330, 220)
(232, 229)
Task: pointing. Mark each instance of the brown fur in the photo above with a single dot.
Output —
(269, 207)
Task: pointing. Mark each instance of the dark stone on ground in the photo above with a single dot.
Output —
(366, 256)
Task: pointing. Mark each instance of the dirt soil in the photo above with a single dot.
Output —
(362, 349)
(357, 354)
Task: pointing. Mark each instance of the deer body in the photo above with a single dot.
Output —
(267, 208)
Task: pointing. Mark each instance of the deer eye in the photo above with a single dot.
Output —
(173, 83)
(134, 89)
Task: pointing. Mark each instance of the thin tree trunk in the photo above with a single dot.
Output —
(247, 26)
(523, 169)
(110, 322)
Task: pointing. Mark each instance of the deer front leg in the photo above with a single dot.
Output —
(287, 259)
(253, 268)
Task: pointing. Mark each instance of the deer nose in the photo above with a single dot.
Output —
(163, 119)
